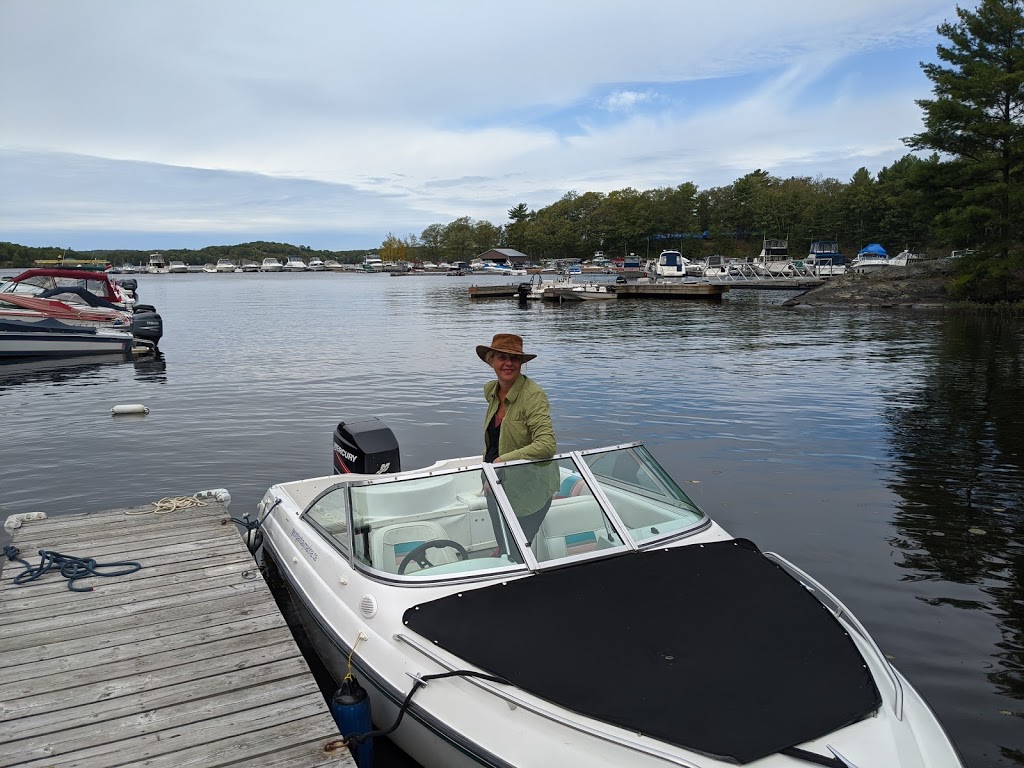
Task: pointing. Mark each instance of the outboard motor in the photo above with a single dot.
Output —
(130, 286)
(148, 326)
(366, 447)
(524, 291)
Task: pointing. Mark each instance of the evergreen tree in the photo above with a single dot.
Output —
(975, 120)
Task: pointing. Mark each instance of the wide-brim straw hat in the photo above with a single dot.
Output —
(508, 343)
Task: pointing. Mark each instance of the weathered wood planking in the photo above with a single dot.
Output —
(187, 662)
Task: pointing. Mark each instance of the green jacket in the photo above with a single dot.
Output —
(526, 433)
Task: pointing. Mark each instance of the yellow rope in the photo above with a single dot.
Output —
(348, 674)
(169, 504)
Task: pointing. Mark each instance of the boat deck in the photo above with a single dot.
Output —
(186, 662)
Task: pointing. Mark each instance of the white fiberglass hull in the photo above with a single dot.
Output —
(35, 344)
(462, 723)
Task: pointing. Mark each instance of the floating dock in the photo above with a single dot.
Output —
(185, 662)
(666, 290)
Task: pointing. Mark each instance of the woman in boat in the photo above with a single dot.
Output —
(518, 426)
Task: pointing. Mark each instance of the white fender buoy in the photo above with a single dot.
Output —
(119, 410)
(14, 521)
(217, 494)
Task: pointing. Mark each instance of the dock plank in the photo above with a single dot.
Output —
(187, 662)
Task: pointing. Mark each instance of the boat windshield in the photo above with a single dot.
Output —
(37, 284)
(473, 518)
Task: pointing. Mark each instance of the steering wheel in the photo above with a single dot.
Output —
(419, 554)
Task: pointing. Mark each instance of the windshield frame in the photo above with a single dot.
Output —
(530, 564)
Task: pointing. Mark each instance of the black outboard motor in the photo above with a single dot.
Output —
(365, 447)
(148, 326)
(524, 291)
(130, 286)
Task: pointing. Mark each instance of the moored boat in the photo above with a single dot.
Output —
(225, 265)
(295, 264)
(270, 264)
(871, 258)
(631, 630)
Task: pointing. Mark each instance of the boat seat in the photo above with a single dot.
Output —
(389, 544)
(572, 526)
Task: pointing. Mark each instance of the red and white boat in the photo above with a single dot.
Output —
(58, 312)
(33, 327)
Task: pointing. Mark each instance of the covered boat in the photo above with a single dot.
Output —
(629, 630)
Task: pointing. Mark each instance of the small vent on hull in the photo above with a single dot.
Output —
(368, 606)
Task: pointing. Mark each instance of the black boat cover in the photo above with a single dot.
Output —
(710, 647)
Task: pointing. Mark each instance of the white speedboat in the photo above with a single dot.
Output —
(581, 292)
(316, 264)
(295, 264)
(631, 630)
(871, 258)
(672, 264)
(225, 265)
(177, 268)
(249, 266)
(271, 264)
(33, 327)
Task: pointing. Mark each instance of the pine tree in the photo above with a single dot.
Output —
(976, 123)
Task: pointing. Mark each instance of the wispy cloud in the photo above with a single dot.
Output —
(353, 120)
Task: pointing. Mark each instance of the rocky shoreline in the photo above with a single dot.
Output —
(915, 286)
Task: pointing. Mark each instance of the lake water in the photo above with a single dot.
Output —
(881, 451)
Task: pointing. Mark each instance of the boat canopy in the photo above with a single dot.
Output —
(873, 249)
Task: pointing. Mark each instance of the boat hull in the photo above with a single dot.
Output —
(15, 344)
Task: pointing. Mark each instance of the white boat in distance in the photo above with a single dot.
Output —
(248, 265)
(156, 264)
(177, 268)
(271, 264)
(871, 258)
(672, 264)
(225, 265)
(502, 269)
(504, 648)
(316, 264)
(295, 264)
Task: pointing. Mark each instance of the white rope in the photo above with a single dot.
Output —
(169, 504)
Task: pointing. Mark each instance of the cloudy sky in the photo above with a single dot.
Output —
(330, 123)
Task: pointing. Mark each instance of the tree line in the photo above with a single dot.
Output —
(961, 188)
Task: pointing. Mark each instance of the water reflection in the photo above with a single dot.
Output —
(85, 370)
(152, 368)
(957, 445)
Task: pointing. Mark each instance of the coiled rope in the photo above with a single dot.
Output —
(71, 568)
(169, 504)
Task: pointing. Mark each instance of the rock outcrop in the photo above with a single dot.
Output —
(921, 285)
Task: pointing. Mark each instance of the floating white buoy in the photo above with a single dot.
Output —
(119, 410)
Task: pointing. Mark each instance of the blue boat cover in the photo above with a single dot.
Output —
(873, 248)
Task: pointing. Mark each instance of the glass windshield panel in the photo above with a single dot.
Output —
(557, 510)
(644, 497)
(430, 527)
(329, 513)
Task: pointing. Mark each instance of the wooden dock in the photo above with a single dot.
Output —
(666, 290)
(186, 663)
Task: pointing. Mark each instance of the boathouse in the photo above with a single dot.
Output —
(505, 256)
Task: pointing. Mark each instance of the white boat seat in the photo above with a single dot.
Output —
(389, 544)
(572, 526)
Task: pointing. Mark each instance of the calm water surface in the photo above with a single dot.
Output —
(881, 451)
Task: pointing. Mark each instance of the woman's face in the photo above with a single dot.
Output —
(506, 368)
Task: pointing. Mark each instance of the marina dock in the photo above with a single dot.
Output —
(666, 290)
(184, 662)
